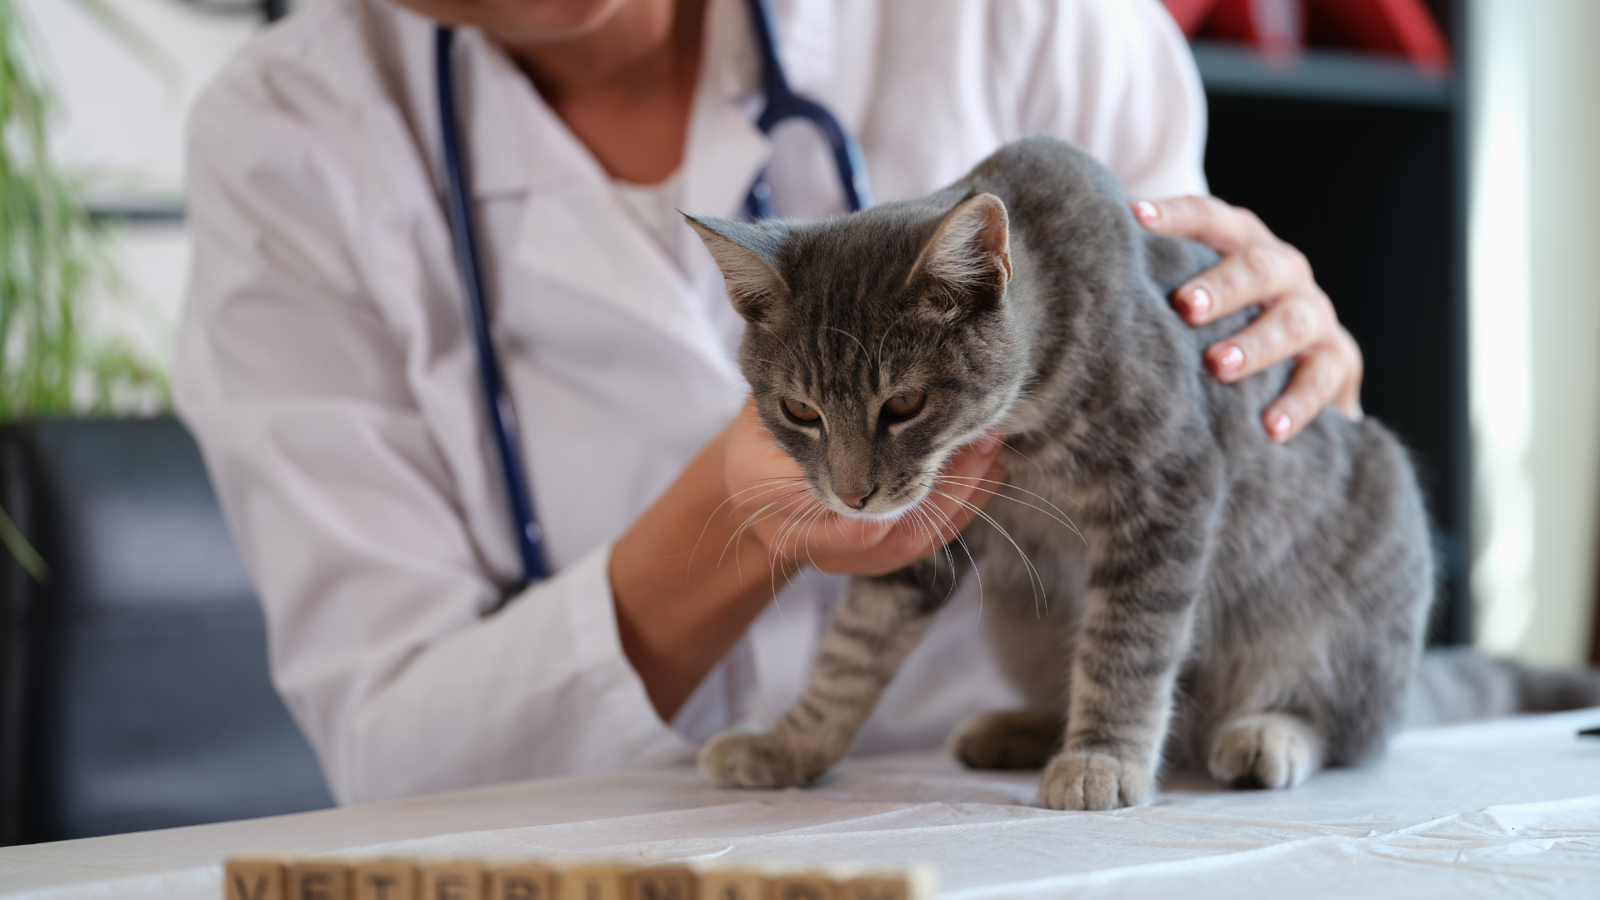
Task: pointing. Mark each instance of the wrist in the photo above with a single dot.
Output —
(687, 580)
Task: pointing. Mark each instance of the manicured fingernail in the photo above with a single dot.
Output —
(1278, 425)
(1198, 302)
(1229, 359)
(1147, 212)
(988, 445)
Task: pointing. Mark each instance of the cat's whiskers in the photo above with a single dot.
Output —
(933, 530)
(1063, 518)
(774, 552)
(881, 338)
(1009, 446)
(809, 558)
(848, 335)
(795, 525)
(1036, 581)
(793, 520)
(760, 483)
(964, 548)
(803, 525)
(754, 518)
(920, 522)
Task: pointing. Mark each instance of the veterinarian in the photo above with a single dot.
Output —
(326, 366)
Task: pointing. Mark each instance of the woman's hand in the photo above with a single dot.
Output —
(698, 566)
(1297, 320)
(767, 496)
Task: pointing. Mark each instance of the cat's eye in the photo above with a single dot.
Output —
(801, 412)
(905, 404)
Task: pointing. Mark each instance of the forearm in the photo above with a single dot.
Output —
(687, 582)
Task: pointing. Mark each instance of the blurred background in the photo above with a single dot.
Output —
(1437, 160)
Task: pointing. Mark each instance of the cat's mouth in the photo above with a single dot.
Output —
(878, 505)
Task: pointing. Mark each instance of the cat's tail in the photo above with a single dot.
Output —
(1459, 685)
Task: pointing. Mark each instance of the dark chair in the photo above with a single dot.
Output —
(133, 683)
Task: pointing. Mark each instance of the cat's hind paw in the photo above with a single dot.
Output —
(1078, 779)
(1267, 750)
(744, 759)
(1010, 739)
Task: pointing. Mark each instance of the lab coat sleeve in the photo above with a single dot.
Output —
(1115, 77)
(294, 381)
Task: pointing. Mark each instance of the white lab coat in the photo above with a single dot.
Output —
(325, 366)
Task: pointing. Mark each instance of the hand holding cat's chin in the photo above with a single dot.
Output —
(766, 492)
(1297, 319)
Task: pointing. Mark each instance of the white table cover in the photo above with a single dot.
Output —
(1494, 809)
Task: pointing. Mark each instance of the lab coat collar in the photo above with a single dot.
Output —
(573, 228)
(492, 87)
(724, 151)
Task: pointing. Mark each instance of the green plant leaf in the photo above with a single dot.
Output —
(52, 257)
(31, 561)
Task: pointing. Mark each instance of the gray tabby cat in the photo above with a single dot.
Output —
(1254, 608)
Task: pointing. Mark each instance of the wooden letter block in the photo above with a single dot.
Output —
(451, 881)
(732, 884)
(386, 879)
(253, 879)
(591, 882)
(522, 881)
(875, 887)
(803, 886)
(313, 880)
(661, 883)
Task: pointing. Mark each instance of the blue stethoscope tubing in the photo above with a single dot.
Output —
(502, 418)
(781, 104)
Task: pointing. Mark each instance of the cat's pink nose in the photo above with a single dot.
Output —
(855, 501)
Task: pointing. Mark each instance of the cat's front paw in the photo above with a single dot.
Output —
(1078, 779)
(1268, 750)
(743, 759)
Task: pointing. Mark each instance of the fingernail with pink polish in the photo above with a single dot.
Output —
(1198, 301)
(988, 444)
(1278, 425)
(1147, 212)
(1229, 359)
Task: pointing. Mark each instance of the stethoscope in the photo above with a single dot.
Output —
(781, 104)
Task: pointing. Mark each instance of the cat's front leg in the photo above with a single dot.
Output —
(1124, 669)
(1145, 576)
(876, 625)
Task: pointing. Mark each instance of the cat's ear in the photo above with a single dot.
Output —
(744, 252)
(969, 255)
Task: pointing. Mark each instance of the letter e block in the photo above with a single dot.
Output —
(522, 881)
(451, 881)
(316, 880)
(253, 879)
(386, 879)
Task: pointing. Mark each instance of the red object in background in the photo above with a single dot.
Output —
(1401, 27)
(1189, 14)
(1275, 27)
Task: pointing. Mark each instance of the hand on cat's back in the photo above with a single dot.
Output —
(766, 489)
(1297, 319)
